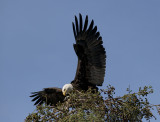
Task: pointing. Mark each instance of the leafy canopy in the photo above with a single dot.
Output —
(89, 106)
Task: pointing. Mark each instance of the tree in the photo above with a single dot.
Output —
(89, 106)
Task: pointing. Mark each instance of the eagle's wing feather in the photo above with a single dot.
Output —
(48, 95)
(91, 53)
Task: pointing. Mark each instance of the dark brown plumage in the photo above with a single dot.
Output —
(91, 55)
(91, 63)
(48, 95)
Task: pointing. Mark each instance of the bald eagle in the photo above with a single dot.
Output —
(90, 68)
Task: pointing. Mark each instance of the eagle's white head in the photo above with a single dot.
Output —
(67, 88)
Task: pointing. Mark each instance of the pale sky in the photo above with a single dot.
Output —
(36, 48)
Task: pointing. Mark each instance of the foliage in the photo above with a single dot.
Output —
(89, 106)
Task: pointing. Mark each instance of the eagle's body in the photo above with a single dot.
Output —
(91, 64)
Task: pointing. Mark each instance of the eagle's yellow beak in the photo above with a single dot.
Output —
(64, 93)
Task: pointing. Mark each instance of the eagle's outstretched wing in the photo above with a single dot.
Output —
(48, 95)
(91, 54)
